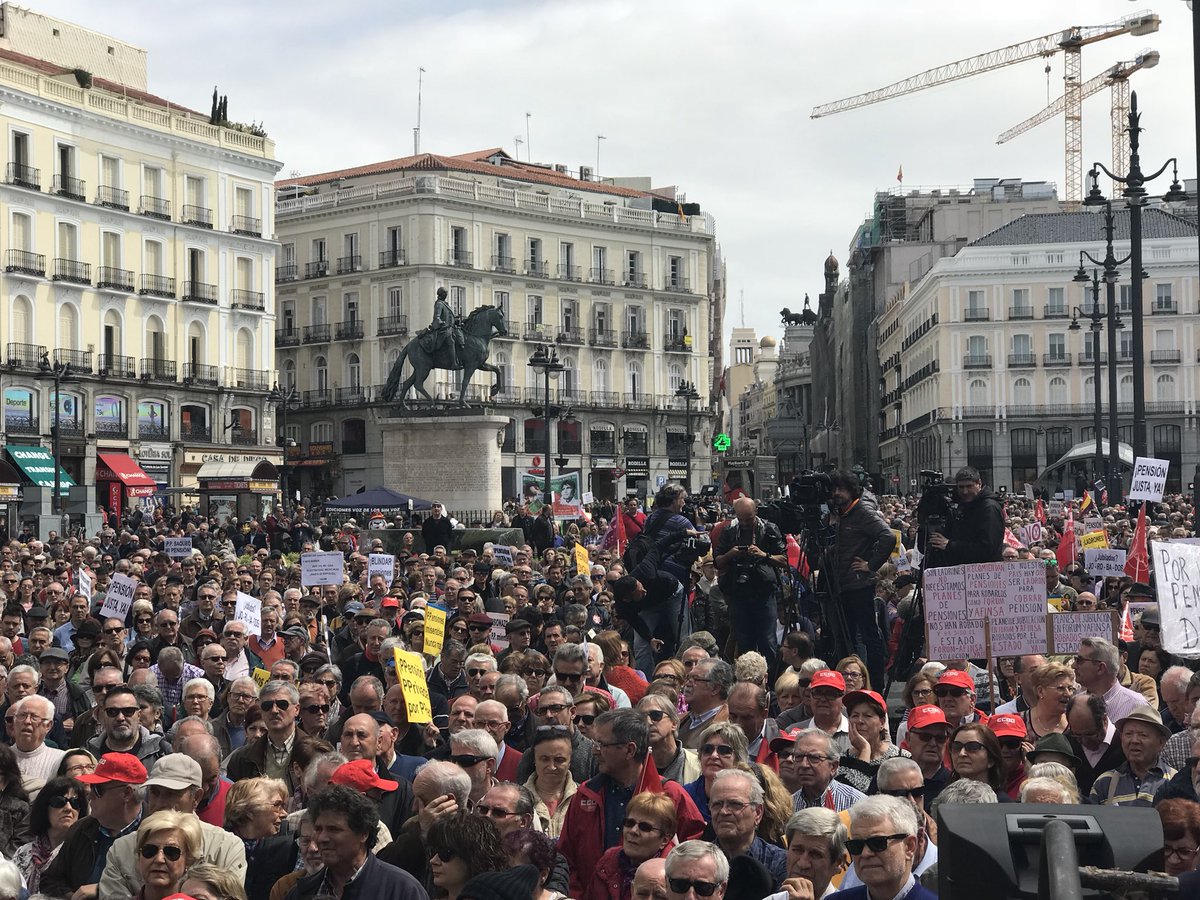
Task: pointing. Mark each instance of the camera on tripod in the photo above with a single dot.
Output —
(805, 505)
(937, 501)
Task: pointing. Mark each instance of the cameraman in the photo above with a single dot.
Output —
(864, 544)
(669, 527)
(978, 525)
(748, 558)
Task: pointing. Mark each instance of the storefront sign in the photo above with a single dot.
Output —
(154, 453)
(10, 492)
(637, 466)
(199, 457)
(263, 487)
(320, 449)
(226, 485)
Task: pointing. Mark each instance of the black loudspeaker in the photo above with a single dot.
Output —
(993, 851)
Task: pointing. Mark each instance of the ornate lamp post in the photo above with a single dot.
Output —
(688, 393)
(548, 363)
(1095, 315)
(58, 372)
(287, 399)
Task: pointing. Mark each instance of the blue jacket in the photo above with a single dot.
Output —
(861, 893)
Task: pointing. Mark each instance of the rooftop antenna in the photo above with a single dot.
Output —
(742, 306)
(599, 138)
(417, 130)
(518, 142)
(528, 146)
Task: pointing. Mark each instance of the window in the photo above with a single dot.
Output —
(675, 272)
(603, 440)
(503, 261)
(1057, 346)
(354, 437)
(600, 375)
(977, 347)
(1058, 394)
(458, 245)
(1022, 392)
(319, 314)
(244, 273)
(636, 385)
(1125, 389)
(66, 162)
(533, 248)
(395, 301)
(601, 313)
(1022, 345)
(319, 250)
(1168, 445)
(195, 265)
(1024, 456)
(110, 249)
(320, 374)
(1126, 302)
(674, 377)
(22, 232)
(1126, 343)
(566, 259)
(533, 308)
(350, 306)
(976, 307)
(152, 182)
(1163, 301)
(502, 300)
(568, 381)
(20, 149)
(1164, 389)
(637, 442)
(570, 438)
(503, 362)
(153, 258)
(570, 315)
(977, 393)
(155, 347)
(635, 319)
(600, 265)
(68, 326)
(744, 356)
(350, 244)
(289, 373)
(1056, 303)
(393, 247)
(353, 371)
(633, 268)
(458, 299)
(110, 171)
(1021, 307)
(535, 435)
(676, 329)
(243, 202)
(194, 192)
(68, 241)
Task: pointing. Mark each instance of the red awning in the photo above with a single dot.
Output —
(130, 474)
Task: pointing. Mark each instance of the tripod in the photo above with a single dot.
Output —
(821, 585)
(912, 636)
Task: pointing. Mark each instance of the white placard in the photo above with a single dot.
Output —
(952, 633)
(177, 547)
(381, 564)
(119, 597)
(588, 497)
(320, 569)
(1028, 491)
(84, 583)
(1067, 629)
(1149, 479)
(502, 555)
(1177, 576)
(1068, 495)
(1017, 621)
(1031, 534)
(1104, 561)
(249, 610)
(1093, 523)
(499, 635)
(1055, 509)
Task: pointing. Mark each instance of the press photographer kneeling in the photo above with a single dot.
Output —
(748, 557)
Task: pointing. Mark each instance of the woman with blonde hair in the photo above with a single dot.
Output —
(778, 804)
(167, 843)
(1053, 687)
(647, 831)
(254, 810)
(723, 745)
(208, 882)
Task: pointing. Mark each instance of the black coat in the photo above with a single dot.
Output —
(977, 532)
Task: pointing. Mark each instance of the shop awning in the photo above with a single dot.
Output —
(37, 465)
(129, 473)
(259, 469)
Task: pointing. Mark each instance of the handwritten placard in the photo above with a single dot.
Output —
(249, 610)
(260, 675)
(1055, 509)
(1177, 576)
(411, 676)
(1093, 540)
(1104, 562)
(435, 629)
(1067, 629)
(583, 563)
(1149, 479)
(319, 569)
(950, 632)
(1031, 534)
(1003, 603)
(177, 547)
(381, 564)
(499, 636)
(503, 556)
(84, 582)
(119, 597)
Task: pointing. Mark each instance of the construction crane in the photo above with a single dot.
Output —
(1070, 41)
(1117, 79)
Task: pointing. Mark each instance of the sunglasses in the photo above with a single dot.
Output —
(553, 708)
(567, 676)
(477, 673)
(149, 851)
(584, 720)
(915, 793)
(950, 692)
(313, 708)
(643, 827)
(466, 760)
(718, 749)
(878, 844)
(969, 746)
(1011, 744)
(113, 630)
(268, 705)
(127, 711)
(683, 885)
(494, 812)
(59, 802)
(535, 673)
(655, 715)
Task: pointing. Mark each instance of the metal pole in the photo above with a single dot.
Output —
(548, 497)
(1114, 467)
(1134, 192)
(1098, 466)
(55, 504)
(1058, 868)
(687, 478)
(283, 469)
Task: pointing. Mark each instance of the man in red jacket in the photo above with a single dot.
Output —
(633, 518)
(594, 818)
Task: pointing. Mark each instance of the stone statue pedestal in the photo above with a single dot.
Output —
(454, 459)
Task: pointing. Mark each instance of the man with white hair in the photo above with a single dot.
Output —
(901, 777)
(31, 718)
(736, 803)
(492, 717)
(697, 869)
(1173, 688)
(474, 751)
(883, 846)
(816, 853)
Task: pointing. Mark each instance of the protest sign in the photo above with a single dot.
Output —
(950, 632)
(84, 583)
(119, 597)
(1149, 479)
(1028, 491)
(411, 676)
(1177, 575)
(499, 635)
(249, 610)
(260, 676)
(177, 547)
(1031, 534)
(381, 564)
(319, 568)
(1012, 597)
(435, 629)
(1104, 562)
(1055, 509)
(583, 563)
(1093, 540)
(1093, 523)
(1067, 629)
(503, 556)
(588, 498)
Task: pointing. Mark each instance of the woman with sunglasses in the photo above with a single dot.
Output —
(143, 621)
(551, 781)
(138, 657)
(975, 755)
(58, 806)
(461, 846)
(723, 745)
(673, 761)
(647, 831)
(588, 705)
(167, 843)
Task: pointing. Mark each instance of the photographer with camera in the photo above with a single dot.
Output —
(977, 525)
(864, 544)
(749, 556)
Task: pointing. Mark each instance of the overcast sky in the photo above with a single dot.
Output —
(711, 96)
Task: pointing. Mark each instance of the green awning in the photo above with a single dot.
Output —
(37, 465)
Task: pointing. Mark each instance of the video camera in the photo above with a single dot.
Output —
(804, 507)
(937, 503)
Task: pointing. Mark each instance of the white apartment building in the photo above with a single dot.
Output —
(617, 279)
(138, 251)
(980, 366)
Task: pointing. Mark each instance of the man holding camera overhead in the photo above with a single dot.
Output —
(977, 526)
(748, 557)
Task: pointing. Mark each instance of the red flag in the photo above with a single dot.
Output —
(1011, 540)
(1068, 547)
(621, 541)
(900, 174)
(1039, 511)
(1137, 564)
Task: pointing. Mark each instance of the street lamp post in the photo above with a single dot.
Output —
(286, 399)
(949, 454)
(57, 371)
(547, 361)
(1096, 316)
(688, 393)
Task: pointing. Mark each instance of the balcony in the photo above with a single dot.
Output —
(1165, 357)
(24, 176)
(71, 188)
(158, 369)
(318, 269)
(635, 279)
(512, 330)
(355, 394)
(286, 273)
(154, 207)
(347, 265)
(25, 262)
(600, 276)
(390, 325)
(1022, 360)
(639, 400)
(157, 286)
(80, 361)
(976, 314)
(18, 424)
(569, 273)
(571, 336)
(199, 292)
(977, 361)
(389, 259)
(505, 264)
(200, 216)
(247, 225)
(113, 365)
(113, 198)
(253, 300)
(287, 337)
(603, 337)
(572, 397)
(677, 284)
(1050, 311)
(460, 259)
(978, 412)
(1164, 308)
(154, 431)
(1088, 359)
(537, 268)
(109, 428)
(1020, 312)
(674, 343)
(1055, 360)
(115, 279)
(635, 340)
(247, 379)
(316, 334)
(536, 331)
(72, 271)
(243, 437)
(196, 433)
(1125, 356)
(317, 398)
(198, 373)
(606, 398)
(351, 330)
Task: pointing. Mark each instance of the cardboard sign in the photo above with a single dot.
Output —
(588, 497)
(410, 674)
(119, 598)
(1177, 576)
(319, 569)
(249, 610)
(986, 610)
(1031, 534)
(499, 636)
(950, 632)
(1055, 509)
(435, 629)
(1093, 540)
(381, 564)
(1093, 523)
(583, 563)
(503, 556)
(261, 676)
(1149, 479)
(177, 547)
(84, 583)
(1067, 629)
(1028, 491)
(899, 547)
(1104, 562)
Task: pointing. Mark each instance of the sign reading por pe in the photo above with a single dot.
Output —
(1177, 576)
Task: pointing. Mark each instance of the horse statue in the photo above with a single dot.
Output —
(478, 329)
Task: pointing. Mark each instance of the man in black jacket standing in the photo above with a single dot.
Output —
(978, 525)
(437, 529)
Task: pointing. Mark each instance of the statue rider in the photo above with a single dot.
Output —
(443, 326)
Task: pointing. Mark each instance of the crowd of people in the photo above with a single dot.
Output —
(659, 723)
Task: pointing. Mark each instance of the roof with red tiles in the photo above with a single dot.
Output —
(475, 162)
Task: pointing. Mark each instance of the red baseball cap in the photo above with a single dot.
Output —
(361, 775)
(786, 738)
(924, 716)
(123, 767)
(827, 678)
(1007, 725)
(869, 696)
(390, 602)
(957, 678)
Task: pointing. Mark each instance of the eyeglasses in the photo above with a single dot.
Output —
(915, 793)
(328, 682)
(718, 749)
(1180, 853)
(242, 695)
(969, 746)
(127, 711)
(683, 885)
(934, 737)
(268, 705)
(466, 760)
(494, 812)
(922, 692)
(877, 844)
(313, 708)
(149, 851)
(811, 758)
(61, 801)
(1080, 658)
(643, 827)
(553, 708)
(584, 720)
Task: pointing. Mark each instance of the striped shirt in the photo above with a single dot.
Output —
(1121, 787)
(1177, 749)
(838, 797)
